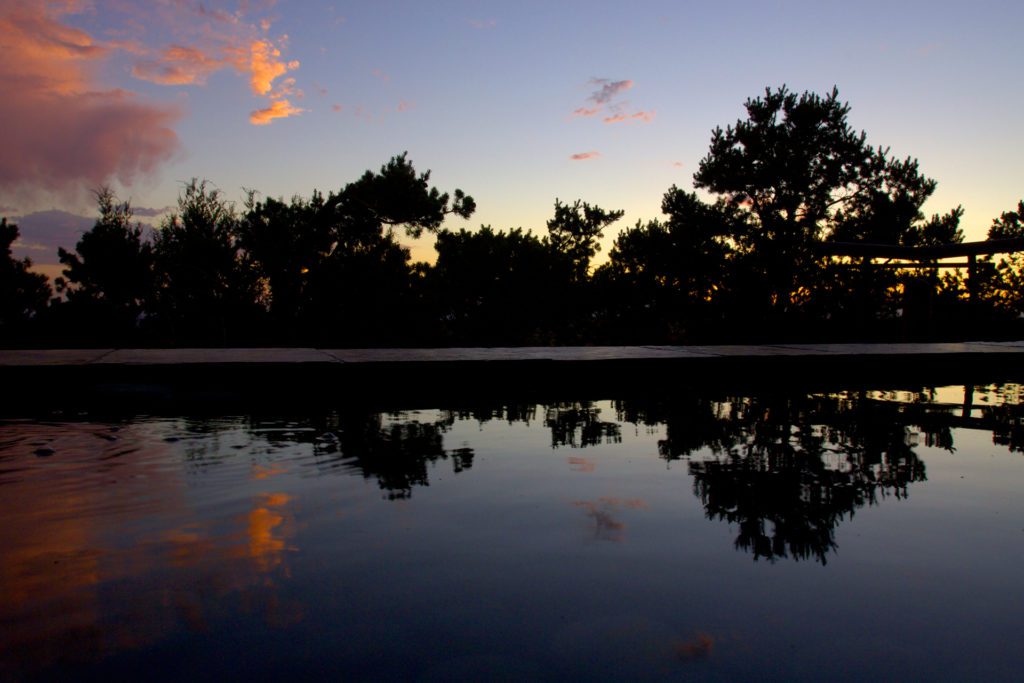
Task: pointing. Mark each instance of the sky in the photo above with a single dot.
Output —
(518, 104)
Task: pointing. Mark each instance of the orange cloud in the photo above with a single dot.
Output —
(583, 156)
(278, 109)
(266, 542)
(61, 131)
(218, 40)
(265, 66)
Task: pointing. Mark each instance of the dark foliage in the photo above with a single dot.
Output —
(746, 263)
(23, 294)
(108, 281)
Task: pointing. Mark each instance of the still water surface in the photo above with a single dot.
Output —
(851, 536)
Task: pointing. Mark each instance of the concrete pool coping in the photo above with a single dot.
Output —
(28, 358)
(45, 376)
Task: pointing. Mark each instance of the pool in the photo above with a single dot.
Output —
(848, 535)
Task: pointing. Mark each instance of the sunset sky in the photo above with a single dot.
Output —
(516, 103)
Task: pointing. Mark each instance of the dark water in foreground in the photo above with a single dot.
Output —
(844, 536)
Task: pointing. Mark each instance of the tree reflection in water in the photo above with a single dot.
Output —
(786, 470)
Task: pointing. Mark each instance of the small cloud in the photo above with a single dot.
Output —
(129, 45)
(637, 117)
(178, 65)
(378, 73)
(608, 90)
(678, 164)
(582, 465)
(266, 65)
(404, 105)
(483, 24)
(148, 212)
(583, 156)
(278, 109)
(338, 107)
(287, 89)
(7, 210)
(585, 111)
(607, 98)
(336, 19)
(42, 232)
(217, 15)
(604, 513)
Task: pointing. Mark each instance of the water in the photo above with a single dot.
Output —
(850, 536)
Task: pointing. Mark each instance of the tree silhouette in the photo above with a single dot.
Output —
(803, 174)
(662, 276)
(492, 287)
(394, 197)
(205, 293)
(1003, 281)
(23, 294)
(361, 291)
(574, 231)
(788, 164)
(285, 244)
(108, 279)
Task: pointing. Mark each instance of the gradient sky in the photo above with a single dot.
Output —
(516, 103)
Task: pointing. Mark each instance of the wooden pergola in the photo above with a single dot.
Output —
(926, 257)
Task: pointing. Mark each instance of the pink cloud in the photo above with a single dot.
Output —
(483, 24)
(640, 116)
(677, 164)
(583, 156)
(606, 98)
(337, 107)
(178, 65)
(61, 131)
(584, 111)
(378, 73)
(582, 465)
(278, 109)
(404, 105)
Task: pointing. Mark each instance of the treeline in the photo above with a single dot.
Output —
(744, 265)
